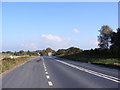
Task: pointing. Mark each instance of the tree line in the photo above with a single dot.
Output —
(109, 41)
(21, 53)
(109, 47)
(44, 52)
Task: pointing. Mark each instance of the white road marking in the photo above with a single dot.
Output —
(93, 72)
(46, 72)
(48, 77)
(50, 83)
(45, 67)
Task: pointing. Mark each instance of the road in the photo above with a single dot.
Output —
(52, 72)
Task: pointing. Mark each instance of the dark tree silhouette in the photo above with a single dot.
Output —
(115, 40)
(104, 37)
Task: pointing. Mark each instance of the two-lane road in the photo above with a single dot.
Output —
(52, 72)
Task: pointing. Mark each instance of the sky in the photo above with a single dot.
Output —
(39, 25)
(60, 0)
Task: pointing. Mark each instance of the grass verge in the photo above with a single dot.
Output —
(98, 61)
(8, 63)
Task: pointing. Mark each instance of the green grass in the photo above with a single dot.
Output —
(8, 63)
(103, 61)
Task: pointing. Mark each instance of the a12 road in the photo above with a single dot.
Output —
(52, 72)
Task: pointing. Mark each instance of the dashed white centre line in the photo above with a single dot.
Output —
(46, 72)
(50, 83)
(48, 77)
(45, 67)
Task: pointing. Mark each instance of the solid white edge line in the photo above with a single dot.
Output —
(92, 72)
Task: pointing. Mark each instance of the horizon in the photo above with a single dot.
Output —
(39, 25)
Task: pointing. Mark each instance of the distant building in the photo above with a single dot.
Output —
(49, 53)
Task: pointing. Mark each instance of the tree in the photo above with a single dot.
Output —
(48, 50)
(61, 51)
(115, 40)
(73, 50)
(9, 52)
(105, 37)
(21, 52)
(16, 53)
(28, 53)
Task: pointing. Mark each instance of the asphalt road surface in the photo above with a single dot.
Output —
(52, 72)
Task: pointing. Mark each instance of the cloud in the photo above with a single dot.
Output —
(51, 37)
(54, 41)
(29, 46)
(75, 30)
(94, 43)
(47, 40)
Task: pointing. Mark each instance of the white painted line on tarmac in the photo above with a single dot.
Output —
(45, 67)
(46, 72)
(48, 77)
(50, 83)
(93, 72)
